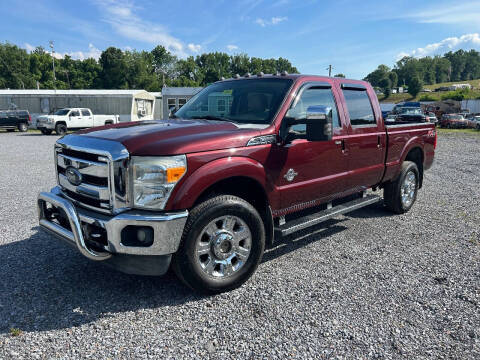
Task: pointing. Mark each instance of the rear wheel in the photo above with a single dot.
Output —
(46, 131)
(400, 195)
(61, 129)
(22, 127)
(222, 245)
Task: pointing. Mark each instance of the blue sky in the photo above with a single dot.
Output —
(353, 36)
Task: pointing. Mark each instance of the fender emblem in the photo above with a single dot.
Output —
(290, 175)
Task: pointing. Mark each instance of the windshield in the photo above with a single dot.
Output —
(61, 112)
(411, 111)
(456, 117)
(249, 101)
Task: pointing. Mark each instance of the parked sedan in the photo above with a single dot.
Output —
(453, 121)
(473, 122)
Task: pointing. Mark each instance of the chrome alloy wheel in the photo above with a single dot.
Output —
(408, 189)
(223, 246)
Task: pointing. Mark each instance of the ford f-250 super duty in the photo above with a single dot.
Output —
(246, 160)
(72, 119)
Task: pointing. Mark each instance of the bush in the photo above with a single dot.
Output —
(458, 95)
(427, 98)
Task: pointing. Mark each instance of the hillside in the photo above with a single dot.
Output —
(433, 96)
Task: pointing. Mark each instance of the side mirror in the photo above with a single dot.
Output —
(319, 123)
(172, 111)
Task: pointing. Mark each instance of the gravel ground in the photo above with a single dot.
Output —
(366, 285)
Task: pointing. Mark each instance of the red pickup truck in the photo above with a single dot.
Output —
(245, 161)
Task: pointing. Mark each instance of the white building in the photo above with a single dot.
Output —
(130, 105)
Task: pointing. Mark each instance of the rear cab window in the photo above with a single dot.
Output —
(359, 106)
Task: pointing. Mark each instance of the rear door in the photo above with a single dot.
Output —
(366, 137)
(87, 118)
(311, 172)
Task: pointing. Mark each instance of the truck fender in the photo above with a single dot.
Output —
(414, 142)
(213, 172)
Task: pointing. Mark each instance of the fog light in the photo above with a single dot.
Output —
(141, 236)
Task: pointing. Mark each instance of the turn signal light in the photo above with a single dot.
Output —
(174, 174)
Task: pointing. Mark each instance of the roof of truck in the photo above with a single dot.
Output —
(289, 76)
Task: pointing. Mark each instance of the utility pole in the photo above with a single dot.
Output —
(330, 67)
(53, 62)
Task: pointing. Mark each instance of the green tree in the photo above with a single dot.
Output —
(339, 75)
(113, 75)
(415, 86)
(386, 86)
(392, 75)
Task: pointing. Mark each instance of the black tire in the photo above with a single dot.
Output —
(392, 193)
(449, 126)
(22, 127)
(61, 129)
(46, 131)
(108, 122)
(185, 263)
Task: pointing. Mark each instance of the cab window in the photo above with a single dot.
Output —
(359, 108)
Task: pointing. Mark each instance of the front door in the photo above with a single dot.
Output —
(309, 173)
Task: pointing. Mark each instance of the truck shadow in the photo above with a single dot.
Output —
(46, 285)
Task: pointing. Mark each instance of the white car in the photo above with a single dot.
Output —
(72, 119)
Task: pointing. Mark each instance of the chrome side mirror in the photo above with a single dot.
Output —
(319, 123)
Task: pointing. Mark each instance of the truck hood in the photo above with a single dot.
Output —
(174, 136)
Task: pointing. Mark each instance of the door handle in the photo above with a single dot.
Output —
(379, 142)
(342, 143)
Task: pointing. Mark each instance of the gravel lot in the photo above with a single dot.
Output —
(366, 285)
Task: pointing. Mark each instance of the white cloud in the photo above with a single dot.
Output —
(467, 41)
(278, 19)
(122, 16)
(29, 47)
(92, 52)
(459, 13)
(232, 47)
(195, 48)
(273, 21)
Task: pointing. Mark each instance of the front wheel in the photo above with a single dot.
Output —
(222, 245)
(400, 195)
(61, 129)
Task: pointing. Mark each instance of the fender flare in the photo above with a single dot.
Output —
(414, 142)
(213, 172)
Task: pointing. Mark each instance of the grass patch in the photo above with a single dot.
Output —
(458, 131)
(15, 332)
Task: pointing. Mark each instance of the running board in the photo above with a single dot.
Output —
(324, 215)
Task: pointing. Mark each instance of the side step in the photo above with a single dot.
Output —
(324, 215)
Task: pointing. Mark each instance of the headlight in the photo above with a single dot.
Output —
(154, 179)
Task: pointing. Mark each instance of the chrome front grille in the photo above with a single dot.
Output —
(94, 189)
(102, 169)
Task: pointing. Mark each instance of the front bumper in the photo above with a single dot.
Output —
(41, 124)
(167, 233)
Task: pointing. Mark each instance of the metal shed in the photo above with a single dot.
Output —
(131, 105)
(176, 97)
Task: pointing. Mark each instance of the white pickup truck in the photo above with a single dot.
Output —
(72, 119)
